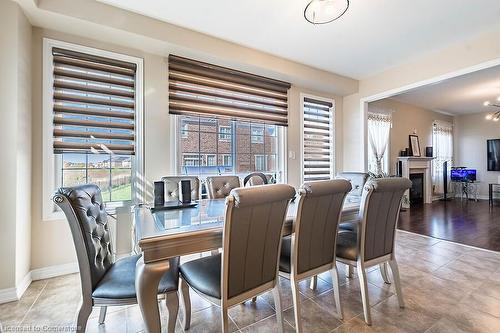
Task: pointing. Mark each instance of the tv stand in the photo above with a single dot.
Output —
(466, 188)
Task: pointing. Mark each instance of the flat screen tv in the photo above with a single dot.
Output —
(493, 155)
(463, 175)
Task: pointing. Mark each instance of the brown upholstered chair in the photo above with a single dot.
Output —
(372, 242)
(219, 186)
(172, 187)
(106, 282)
(248, 265)
(311, 249)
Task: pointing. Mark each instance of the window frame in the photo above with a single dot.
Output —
(333, 156)
(51, 179)
(281, 135)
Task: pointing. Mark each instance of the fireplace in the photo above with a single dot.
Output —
(417, 188)
(411, 166)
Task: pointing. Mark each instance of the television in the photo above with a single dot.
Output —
(493, 147)
(463, 175)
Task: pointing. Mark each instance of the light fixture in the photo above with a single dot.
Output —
(495, 116)
(325, 11)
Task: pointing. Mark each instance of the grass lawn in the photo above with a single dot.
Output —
(119, 193)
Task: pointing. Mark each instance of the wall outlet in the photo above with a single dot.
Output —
(291, 154)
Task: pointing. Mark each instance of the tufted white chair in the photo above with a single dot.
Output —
(219, 187)
(172, 187)
(105, 282)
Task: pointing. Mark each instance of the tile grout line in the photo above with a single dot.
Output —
(36, 299)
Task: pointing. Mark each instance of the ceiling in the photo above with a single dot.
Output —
(371, 37)
(461, 95)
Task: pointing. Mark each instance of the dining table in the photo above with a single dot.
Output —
(164, 234)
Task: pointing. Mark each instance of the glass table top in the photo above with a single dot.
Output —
(208, 214)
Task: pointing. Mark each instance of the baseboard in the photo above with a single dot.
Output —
(15, 293)
(479, 197)
(53, 271)
(8, 295)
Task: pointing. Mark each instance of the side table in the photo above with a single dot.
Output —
(493, 189)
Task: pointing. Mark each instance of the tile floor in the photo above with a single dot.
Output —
(447, 288)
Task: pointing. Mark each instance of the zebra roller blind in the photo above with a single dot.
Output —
(318, 156)
(201, 89)
(93, 104)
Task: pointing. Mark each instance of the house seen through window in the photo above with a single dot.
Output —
(221, 146)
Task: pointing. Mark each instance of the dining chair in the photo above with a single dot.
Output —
(172, 187)
(106, 282)
(248, 264)
(311, 249)
(372, 242)
(255, 178)
(220, 186)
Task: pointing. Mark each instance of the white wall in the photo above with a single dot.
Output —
(15, 135)
(471, 133)
(462, 57)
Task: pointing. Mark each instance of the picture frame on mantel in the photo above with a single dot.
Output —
(414, 146)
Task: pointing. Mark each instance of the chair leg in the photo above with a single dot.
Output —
(102, 314)
(296, 305)
(185, 304)
(349, 271)
(172, 303)
(384, 273)
(314, 282)
(336, 291)
(397, 282)
(363, 283)
(277, 304)
(83, 315)
(224, 319)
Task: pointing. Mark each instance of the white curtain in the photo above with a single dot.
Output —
(379, 128)
(442, 143)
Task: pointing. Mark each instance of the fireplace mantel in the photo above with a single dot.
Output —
(411, 164)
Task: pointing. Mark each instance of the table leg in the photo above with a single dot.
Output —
(147, 278)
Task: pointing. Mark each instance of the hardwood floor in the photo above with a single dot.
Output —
(466, 222)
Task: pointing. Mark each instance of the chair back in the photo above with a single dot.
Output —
(172, 187)
(318, 215)
(254, 179)
(84, 210)
(252, 237)
(357, 179)
(219, 186)
(380, 206)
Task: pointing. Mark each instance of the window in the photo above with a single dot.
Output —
(258, 134)
(442, 143)
(317, 139)
(225, 133)
(202, 152)
(210, 158)
(91, 110)
(260, 162)
(226, 160)
(232, 119)
(379, 129)
(191, 160)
